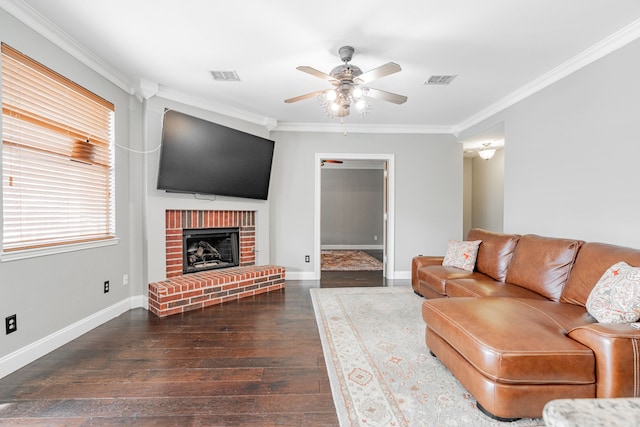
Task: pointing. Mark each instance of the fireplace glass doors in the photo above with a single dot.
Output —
(209, 248)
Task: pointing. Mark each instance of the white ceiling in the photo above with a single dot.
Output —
(500, 50)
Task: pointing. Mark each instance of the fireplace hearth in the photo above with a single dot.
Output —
(180, 292)
(209, 248)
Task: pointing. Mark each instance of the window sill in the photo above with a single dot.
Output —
(34, 253)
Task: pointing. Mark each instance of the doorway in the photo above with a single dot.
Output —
(386, 162)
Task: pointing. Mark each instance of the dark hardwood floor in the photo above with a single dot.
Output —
(254, 362)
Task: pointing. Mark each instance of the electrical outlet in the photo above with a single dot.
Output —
(307, 258)
(125, 279)
(106, 286)
(11, 324)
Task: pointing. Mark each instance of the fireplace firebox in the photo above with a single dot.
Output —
(209, 248)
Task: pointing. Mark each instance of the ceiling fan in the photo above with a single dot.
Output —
(332, 161)
(349, 86)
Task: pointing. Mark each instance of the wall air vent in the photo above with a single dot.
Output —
(225, 76)
(440, 80)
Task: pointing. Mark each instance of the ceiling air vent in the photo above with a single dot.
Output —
(225, 76)
(440, 80)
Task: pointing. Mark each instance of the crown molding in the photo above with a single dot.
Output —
(612, 43)
(362, 128)
(173, 95)
(37, 22)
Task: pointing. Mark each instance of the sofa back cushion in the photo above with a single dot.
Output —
(542, 264)
(593, 260)
(495, 252)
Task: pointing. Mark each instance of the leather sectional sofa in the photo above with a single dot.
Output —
(516, 332)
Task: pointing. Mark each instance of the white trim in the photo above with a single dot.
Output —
(390, 253)
(402, 275)
(52, 250)
(615, 41)
(299, 275)
(364, 128)
(139, 301)
(351, 247)
(37, 22)
(225, 110)
(22, 357)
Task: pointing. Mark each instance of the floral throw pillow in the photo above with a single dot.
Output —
(616, 296)
(462, 254)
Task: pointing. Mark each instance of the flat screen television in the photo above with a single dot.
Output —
(202, 157)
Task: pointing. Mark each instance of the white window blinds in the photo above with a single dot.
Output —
(57, 158)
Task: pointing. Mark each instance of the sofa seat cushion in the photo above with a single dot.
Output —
(514, 340)
(436, 276)
(486, 287)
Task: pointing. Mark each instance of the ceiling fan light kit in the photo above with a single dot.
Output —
(338, 102)
(348, 81)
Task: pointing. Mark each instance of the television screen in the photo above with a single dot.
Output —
(198, 156)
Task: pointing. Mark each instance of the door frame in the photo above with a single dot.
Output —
(389, 236)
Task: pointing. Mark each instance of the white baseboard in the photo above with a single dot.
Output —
(351, 247)
(22, 357)
(300, 275)
(401, 275)
(140, 301)
(310, 275)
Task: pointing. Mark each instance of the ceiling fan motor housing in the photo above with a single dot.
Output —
(346, 53)
(345, 72)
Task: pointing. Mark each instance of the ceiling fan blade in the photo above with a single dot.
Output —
(302, 97)
(386, 96)
(314, 72)
(379, 72)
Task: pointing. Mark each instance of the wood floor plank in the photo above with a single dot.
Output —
(252, 362)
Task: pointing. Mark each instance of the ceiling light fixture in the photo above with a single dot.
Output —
(337, 102)
(486, 152)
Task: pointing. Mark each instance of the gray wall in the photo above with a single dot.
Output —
(53, 293)
(467, 196)
(352, 208)
(571, 154)
(428, 192)
(488, 192)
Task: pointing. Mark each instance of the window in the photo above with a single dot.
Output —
(57, 158)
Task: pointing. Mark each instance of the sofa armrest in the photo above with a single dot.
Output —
(617, 350)
(419, 262)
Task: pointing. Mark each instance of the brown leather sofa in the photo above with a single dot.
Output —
(515, 331)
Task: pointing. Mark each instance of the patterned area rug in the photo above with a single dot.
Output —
(380, 369)
(348, 261)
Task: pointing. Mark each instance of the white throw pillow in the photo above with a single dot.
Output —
(616, 296)
(462, 254)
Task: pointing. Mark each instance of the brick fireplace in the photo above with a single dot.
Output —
(177, 220)
(183, 292)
